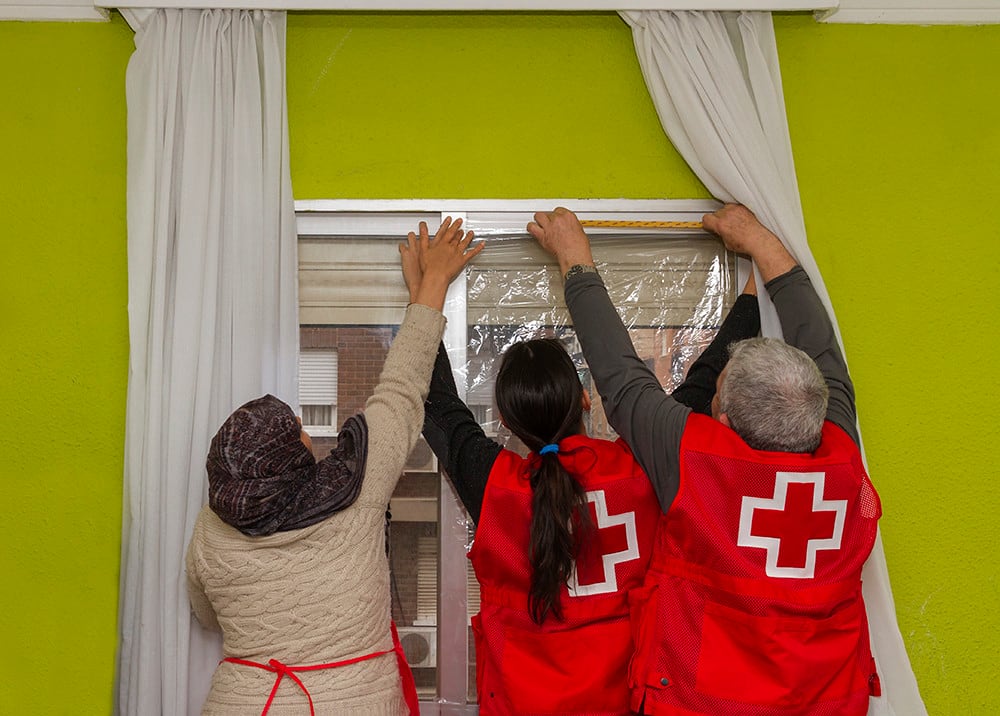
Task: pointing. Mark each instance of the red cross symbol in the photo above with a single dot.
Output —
(793, 525)
(615, 541)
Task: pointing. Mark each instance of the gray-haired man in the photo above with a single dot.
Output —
(753, 600)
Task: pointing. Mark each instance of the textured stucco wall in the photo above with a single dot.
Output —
(896, 132)
(64, 332)
(468, 105)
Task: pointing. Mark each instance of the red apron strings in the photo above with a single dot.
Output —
(405, 675)
(283, 670)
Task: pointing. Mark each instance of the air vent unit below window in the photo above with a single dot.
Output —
(420, 645)
(421, 459)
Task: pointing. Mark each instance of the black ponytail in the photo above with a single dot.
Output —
(539, 396)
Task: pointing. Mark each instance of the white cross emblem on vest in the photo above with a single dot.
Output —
(630, 551)
(793, 525)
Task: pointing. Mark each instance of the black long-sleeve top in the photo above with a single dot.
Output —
(468, 454)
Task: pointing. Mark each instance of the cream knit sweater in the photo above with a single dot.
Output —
(319, 594)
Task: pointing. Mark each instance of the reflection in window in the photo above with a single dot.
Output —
(318, 390)
(671, 292)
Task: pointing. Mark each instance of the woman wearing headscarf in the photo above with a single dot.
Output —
(288, 559)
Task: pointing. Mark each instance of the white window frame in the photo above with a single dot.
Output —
(327, 218)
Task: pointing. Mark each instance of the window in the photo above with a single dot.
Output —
(318, 385)
(671, 287)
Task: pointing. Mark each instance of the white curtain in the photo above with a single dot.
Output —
(212, 309)
(715, 82)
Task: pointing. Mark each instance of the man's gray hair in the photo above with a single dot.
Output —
(774, 396)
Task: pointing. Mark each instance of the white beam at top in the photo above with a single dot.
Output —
(481, 5)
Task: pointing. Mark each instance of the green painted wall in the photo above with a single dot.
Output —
(896, 133)
(63, 363)
(468, 105)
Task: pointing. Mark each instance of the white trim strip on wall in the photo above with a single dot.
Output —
(482, 5)
(893, 12)
(914, 12)
(54, 10)
(438, 205)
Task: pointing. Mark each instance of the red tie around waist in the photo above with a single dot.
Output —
(283, 670)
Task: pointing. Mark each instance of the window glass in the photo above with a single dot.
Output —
(671, 289)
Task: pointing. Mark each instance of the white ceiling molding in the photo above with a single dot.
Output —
(914, 12)
(53, 10)
(481, 5)
(97, 10)
(900, 12)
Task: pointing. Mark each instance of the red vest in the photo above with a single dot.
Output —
(577, 665)
(752, 605)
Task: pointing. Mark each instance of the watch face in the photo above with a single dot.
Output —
(580, 268)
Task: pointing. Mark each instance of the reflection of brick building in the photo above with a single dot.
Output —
(361, 352)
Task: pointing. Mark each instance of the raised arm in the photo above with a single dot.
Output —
(395, 411)
(743, 321)
(650, 421)
(804, 320)
(459, 442)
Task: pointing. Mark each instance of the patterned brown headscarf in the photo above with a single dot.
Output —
(262, 479)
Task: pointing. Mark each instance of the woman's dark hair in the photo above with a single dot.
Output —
(539, 397)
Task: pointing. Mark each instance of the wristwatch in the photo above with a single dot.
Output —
(578, 269)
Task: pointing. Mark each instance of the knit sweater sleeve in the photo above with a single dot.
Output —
(395, 411)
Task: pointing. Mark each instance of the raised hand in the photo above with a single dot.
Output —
(438, 260)
(409, 257)
(559, 232)
(741, 232)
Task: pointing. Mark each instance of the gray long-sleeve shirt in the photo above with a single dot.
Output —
(651, 421)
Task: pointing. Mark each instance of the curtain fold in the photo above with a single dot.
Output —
(715, 82)
(212, 309)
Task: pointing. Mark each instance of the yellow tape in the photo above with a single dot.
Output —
(643, 224)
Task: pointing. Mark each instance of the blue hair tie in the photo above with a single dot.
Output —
(552, 447)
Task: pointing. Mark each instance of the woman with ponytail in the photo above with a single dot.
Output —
(537, 386)
(563, 535)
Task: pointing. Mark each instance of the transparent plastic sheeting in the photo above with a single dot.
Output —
(672, 292)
